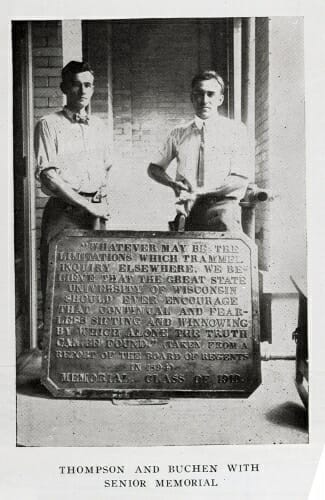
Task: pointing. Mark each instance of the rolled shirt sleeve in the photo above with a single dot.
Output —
(45, 147)
(226, 153)
(166, 153)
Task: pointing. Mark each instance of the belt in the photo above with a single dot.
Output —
(87, 194)
(211, 200)
(94, 197)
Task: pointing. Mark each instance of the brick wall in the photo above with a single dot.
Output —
(47, 65)
(262, 174)
(143, 71)
(153, 64)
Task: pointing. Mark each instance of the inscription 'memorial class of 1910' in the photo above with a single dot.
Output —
(151, 314)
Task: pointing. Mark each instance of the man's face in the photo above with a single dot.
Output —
(206, 97)
(79, 90)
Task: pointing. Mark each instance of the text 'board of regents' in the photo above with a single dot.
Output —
(150, 314)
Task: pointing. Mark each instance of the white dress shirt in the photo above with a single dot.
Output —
(78, 151)
(226, 152)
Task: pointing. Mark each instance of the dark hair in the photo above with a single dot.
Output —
(74, 67)
(208, 75)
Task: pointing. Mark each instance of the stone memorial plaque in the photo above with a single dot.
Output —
(151, 315)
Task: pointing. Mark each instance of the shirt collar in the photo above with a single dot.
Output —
(72, 116)
(210, 121)
(198, 122)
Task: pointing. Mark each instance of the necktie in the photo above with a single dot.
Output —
(81, 119)
(200, 167)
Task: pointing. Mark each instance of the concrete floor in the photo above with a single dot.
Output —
(274, 414)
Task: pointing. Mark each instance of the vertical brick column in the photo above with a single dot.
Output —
(280, 147)
(280, 161)
(47, 65)
(263, 172)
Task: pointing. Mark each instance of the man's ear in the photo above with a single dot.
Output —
(221, 99)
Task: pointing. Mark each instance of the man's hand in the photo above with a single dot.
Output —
(58, 187)
(179, 186)
(185, 202)
(160, 175)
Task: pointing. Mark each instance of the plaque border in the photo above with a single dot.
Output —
(150, 393)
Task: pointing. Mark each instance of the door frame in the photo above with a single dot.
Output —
(24, 167)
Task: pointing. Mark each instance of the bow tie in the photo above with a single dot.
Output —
(80, 119)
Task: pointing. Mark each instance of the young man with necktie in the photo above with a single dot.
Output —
(212, 157)
(73, 160)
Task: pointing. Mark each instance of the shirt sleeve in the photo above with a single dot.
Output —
(166, 153)
(45, 147)
(240, 160)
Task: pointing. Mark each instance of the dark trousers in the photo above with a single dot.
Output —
(211, 214)
(57, 216)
